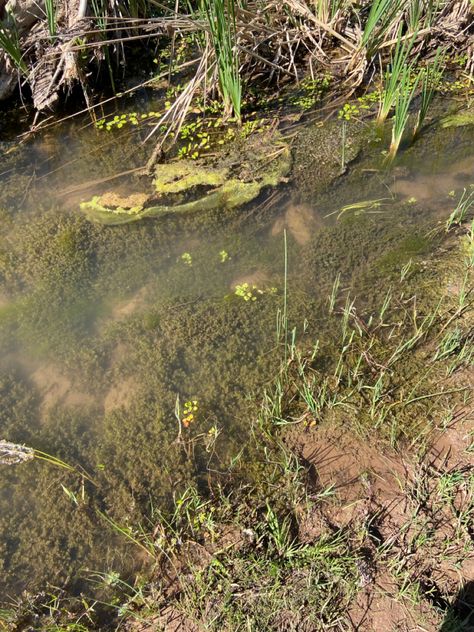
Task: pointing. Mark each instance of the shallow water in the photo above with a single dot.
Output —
(104, 329)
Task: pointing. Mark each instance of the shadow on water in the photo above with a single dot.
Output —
(460, 614)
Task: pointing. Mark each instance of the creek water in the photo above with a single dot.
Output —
(107, 332)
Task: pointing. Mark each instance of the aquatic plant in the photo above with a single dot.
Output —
(405, 94)
(463, 207)
(310, 92)
(119, 120)
(190, 408)
(430, 80)
(194, 147)
(222, 25)
(250, 292)
(379, 22)
(223, 256)
(393, 78)
(187, 258)
(247, 292)
(359, 208)
(10, 43)
(348, 111)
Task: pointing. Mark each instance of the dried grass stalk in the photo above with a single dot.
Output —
(13, 453)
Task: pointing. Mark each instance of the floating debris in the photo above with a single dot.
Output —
(12, 453)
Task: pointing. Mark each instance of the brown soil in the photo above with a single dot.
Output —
(126, 308)
(433, 187)
(3, 301)
(112, 199)
(300, 221)
(374, 498)
(55, 387)
(169, 620)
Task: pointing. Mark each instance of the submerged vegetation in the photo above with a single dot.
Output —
(254, 411)
(294, 529)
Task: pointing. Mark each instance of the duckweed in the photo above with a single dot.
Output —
(187, 258)
(251, 292)
(131, 118)
(189, 410)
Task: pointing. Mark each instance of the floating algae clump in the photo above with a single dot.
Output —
(178, 177)
(183, 187)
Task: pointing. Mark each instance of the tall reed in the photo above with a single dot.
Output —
(379, 21)
(99, 11)
(430, 78)
(51, 17)
(392, 79)
(432, 11)
(326, 10)
(222, 26)
(414, 14)
(405, 94)
(10, 44)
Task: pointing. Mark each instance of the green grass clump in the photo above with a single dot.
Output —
(430, 79)
(222, 26)
(393, 79)
(379, 21)
(10, 43)
(404, 97)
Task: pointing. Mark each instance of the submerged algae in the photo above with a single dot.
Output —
(181, 176)
(187, 340)
(230, 184)
(459, 119)
(61, 272)
(322, 153)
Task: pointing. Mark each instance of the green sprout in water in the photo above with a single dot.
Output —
(348, 111)
(187, 259)
(250, 292)
(190, 408)
(118, 121)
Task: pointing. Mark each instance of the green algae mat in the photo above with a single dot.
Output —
(188, 186)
